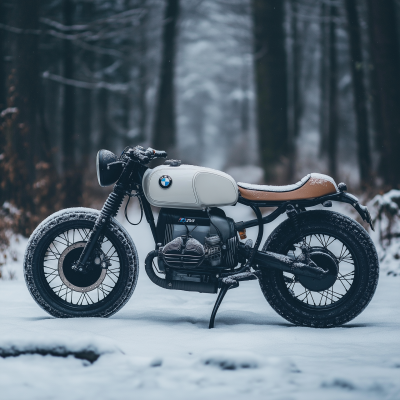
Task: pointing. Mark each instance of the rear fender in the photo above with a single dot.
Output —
(353, 200)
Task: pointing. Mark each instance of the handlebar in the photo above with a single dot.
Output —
(160, 154)
(144, 156)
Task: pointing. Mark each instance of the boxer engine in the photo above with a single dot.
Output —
(196, 245)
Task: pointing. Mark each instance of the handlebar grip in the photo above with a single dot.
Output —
(160, 154)
(145, 156)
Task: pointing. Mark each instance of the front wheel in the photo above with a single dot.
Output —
(335, 243)
(57, 244)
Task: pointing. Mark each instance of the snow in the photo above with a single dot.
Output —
(386, 211)
(270, 188)
(158, 346)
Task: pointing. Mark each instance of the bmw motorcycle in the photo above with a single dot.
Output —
(318, 268)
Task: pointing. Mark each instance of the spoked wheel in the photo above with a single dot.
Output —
(73, 286)
(336, 244)
(63, 291)
(333, 256)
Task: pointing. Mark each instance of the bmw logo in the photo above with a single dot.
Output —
(165, 181)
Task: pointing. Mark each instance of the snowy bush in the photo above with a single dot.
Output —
(8, 239)
(386, 211)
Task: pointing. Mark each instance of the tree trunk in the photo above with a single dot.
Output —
(26, 170)
(324, 75)
(386, 66)
(71, 184)
(333, 100)
(84, 113)
(164, 135)
(143, 79)
(296, 54)
(359, 93)
(295, 77)
(105, 128)
(271, 82)
(3, 92)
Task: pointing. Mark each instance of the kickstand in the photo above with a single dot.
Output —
(225, 287)
(231, 282)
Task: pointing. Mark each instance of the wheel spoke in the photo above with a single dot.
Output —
(342, 278)
(336, 249)
(312, 298)
(320, 240)
(54, 254)
(109, 276)
(67, 284)
(344, 285)
(329, 243)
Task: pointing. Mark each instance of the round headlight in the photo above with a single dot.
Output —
(107, 175)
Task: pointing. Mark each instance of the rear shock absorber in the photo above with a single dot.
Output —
(292, 214)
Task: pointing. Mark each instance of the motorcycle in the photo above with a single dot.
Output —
(318, 268)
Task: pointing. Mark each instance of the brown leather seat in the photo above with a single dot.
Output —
(311, 186)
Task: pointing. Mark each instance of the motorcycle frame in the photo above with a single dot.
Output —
(131, 179)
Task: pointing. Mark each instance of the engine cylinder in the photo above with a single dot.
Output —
(212, 237)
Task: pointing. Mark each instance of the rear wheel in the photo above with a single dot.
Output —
(55, 247)
(335, 243)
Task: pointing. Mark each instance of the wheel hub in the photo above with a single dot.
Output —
(324, 259)
(75, 280)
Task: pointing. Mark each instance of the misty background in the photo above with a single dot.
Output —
(266, 90)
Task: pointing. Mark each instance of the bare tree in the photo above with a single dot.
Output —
(2, 60)
(164, 134)
(26, 168)
(323, 80)
(296, 68)
(384, 43)
(359, 93)
(72, 182)
(271, 82)
(143, 75)
(333, 93)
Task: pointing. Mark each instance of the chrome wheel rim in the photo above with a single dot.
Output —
(64, 278)
(58, 278)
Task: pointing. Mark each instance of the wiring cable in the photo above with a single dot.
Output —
(141, 209)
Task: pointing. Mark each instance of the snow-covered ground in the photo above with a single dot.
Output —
(158, 346)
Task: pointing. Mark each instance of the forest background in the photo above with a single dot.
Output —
(267, 90)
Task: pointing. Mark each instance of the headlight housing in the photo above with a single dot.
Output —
(107, 174)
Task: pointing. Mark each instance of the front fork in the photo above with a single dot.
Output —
(109, 210)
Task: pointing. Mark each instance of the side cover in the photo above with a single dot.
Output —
(189, 187)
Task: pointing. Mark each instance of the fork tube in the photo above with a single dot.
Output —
(109, 210)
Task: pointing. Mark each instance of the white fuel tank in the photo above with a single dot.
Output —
(189, 186)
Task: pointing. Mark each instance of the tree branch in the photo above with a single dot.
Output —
(112, 87)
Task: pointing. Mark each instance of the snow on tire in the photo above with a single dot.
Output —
(334, 236)
(53, 248)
